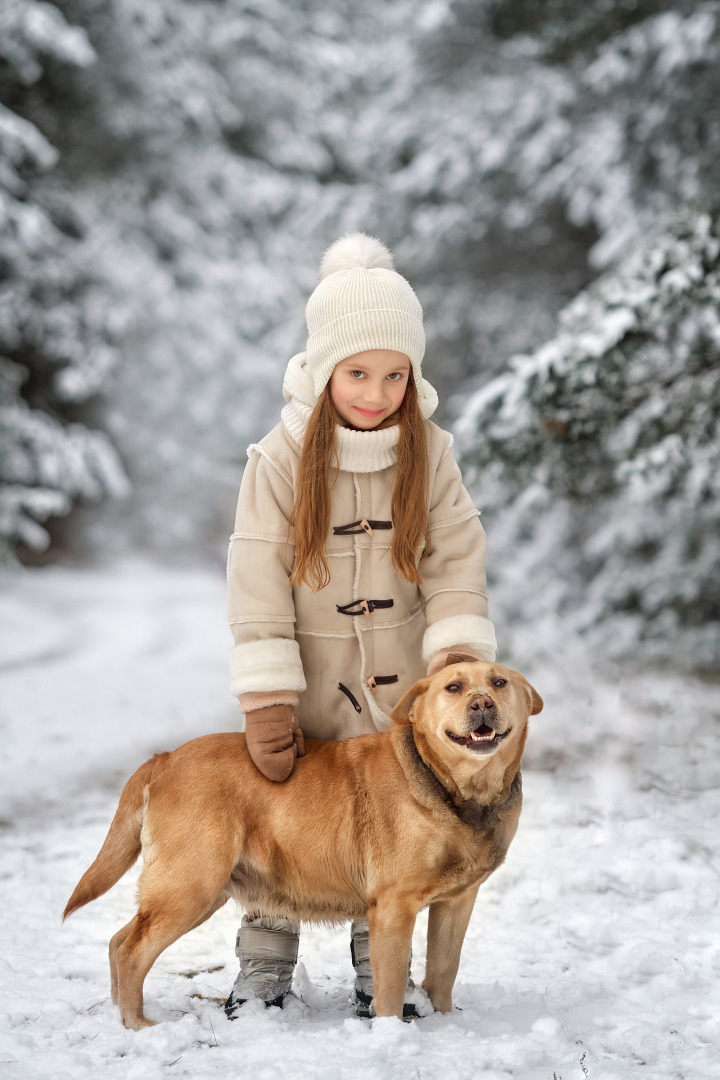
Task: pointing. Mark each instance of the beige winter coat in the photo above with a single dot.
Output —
(368, 626)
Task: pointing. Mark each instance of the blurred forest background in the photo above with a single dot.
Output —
(548, 174)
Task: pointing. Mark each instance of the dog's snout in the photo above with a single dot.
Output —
(483, 702)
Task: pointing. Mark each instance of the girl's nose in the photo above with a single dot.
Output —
(373, 392)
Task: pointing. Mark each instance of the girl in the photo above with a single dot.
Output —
(357, 565)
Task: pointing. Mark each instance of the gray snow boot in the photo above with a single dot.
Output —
(267, 948)
(363, 988)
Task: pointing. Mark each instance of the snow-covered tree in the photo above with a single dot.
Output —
(538, 144)
(54, 355)
(597, 459)
(597, 452)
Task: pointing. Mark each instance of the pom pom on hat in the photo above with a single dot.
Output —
(360, 304)
(356, 249)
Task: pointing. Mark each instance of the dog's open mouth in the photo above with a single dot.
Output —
(482, 739)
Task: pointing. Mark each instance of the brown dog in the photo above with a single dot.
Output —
(379, 826)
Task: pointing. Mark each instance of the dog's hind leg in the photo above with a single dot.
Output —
(391, 926)
(172, 901)
(117, 939)
(115, 942)
(447, 923)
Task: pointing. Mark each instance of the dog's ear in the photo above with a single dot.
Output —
(459, 657)
(452, 656)
(402, 713)
(535, 701)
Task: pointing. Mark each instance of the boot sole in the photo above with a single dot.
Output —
(232, 1005)
(363, 1008)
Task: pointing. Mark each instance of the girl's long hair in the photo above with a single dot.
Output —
(409, 508)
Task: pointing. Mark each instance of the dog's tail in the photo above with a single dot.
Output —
(122, 843)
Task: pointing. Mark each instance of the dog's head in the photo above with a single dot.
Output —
(471, 711)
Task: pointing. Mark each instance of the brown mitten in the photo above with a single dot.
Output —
(274, 740)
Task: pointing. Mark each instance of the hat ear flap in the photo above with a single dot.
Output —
(403, 713)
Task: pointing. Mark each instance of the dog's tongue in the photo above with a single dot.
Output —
(483, 732)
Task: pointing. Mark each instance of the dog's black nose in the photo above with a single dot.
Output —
(482, 703)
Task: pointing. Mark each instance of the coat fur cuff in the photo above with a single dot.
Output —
(475, 631)
(265, 699)
(266, 665)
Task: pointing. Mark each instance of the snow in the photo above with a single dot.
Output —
(593, 952)
(21, 142)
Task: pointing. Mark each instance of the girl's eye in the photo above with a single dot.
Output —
(395, 376)
(358, 374)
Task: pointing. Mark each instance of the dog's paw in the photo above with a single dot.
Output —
(137, 1023)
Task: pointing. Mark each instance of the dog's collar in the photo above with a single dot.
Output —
(476, 815)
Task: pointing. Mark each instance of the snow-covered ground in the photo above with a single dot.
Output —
(594, 952)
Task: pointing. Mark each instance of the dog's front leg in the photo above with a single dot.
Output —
(447, 923)
(391, 925)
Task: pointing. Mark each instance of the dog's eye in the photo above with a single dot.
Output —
(499, 682)
(453, 688)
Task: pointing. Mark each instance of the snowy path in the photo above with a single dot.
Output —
(593, 952)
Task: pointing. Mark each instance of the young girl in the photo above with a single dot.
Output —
(357, 565)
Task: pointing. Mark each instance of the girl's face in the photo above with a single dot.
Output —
(369, 387)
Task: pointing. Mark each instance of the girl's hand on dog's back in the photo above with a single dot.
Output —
(274, 740)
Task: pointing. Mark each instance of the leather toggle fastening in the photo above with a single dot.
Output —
(381, 680)
(355, 703)
(363, 607)
(367, 526)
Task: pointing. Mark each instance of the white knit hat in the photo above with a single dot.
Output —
(362, 303)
